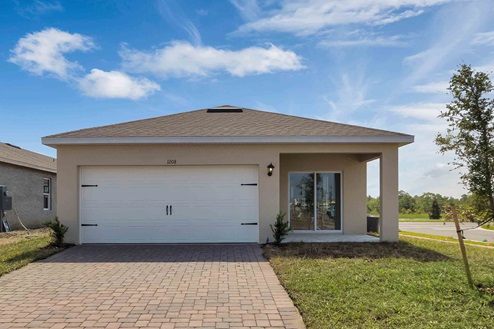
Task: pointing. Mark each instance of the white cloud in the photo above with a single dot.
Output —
(202, 12)
(439, 169)
(39, 7)
(422, 168)
(421, 111)
(367, 41)
(348, 94)
(43, 52)
(248, 9)
(305, 17)
(487, 68)
(172, 12)
(181, 59)
(450, 40)
(114, 84)
(484, 38)
(433, 87)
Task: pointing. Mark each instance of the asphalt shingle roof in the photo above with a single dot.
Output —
(201, 123)
(17, 156)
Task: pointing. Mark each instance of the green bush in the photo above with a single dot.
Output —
(280, 228)
(435, 211)
(58, 231)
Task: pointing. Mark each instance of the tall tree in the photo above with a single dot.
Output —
(406, 203)
(435, 210)
(470, 135)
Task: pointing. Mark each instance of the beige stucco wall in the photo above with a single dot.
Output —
(70, 157)
(354, 183)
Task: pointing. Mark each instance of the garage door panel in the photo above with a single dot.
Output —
(162, 232)
(129, 204)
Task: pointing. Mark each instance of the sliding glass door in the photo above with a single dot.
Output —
(315, 201)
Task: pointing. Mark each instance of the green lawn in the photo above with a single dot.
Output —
(416, 283)
(20, 252)
(415, 216)
(488, 226)
(423, 220)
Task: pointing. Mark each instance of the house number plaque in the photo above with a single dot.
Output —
(171, 162)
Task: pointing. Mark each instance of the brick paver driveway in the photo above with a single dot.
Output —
(148, 286)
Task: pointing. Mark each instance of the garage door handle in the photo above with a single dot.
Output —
(167, 210)
(170, 210)
(249, 224)
(89, 224)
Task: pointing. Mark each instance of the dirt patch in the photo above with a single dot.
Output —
(353, 250)
(14, 236)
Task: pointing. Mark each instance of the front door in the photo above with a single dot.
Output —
(315, 201)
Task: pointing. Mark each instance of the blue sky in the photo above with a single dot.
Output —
(67, 65)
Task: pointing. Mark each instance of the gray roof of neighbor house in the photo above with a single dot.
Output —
(223, 124)
(15, 155)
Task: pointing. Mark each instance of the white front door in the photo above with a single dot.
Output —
(157, 204)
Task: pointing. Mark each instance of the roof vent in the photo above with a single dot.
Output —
(14, 146)
(225, 109)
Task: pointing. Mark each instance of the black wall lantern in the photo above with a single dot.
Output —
(270, 169)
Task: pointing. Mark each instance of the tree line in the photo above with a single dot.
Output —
(433, 204)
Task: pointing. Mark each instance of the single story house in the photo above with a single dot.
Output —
(31, 180)
(222, 174)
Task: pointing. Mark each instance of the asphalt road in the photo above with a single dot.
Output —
(448, 229)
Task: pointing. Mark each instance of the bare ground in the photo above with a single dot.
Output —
(14, 236)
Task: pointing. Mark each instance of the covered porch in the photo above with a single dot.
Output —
(324, 195)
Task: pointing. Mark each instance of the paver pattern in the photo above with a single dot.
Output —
(148, 286)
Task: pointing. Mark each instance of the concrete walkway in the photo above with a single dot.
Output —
(148, 286)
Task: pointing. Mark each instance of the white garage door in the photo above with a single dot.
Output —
(158, 204)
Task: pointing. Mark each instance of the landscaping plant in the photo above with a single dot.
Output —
(58, 231)
(280, 228)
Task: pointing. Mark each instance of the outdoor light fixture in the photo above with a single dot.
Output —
(270, 169)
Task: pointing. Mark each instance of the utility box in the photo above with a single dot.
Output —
(372, 224)
(5, 199)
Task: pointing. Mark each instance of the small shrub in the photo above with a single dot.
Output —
(58, 231)
(280, 228)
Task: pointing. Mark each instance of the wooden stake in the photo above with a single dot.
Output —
(462, 246)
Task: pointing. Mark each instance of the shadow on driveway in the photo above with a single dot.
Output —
(148, 253)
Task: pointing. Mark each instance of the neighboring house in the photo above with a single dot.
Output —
(221, 175)
(31, 179)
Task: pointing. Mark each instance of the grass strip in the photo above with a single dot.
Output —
(20, 253)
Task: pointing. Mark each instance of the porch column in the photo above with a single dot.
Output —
(388, 221)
